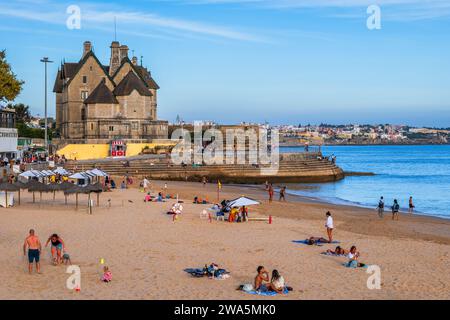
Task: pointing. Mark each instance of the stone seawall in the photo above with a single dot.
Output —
(298, 167)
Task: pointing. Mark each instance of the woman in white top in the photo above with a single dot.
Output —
(277, 283)
(329, 225)
(353, 255)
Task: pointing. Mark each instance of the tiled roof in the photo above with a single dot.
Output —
(101, 94)
(129, 83)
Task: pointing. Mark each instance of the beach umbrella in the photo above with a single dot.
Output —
(53, 187)
(242, 201)
(64, 187)
(39, 187)
(30, 184)
(93, 188)
(20, 185)
(74, 190)
(7, 187)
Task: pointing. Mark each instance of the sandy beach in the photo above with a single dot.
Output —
(147, 252)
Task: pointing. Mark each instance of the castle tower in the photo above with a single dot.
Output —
(114, 62)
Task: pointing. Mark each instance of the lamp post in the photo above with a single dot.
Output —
(45, 60)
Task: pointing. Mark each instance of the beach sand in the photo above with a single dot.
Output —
(147, 252)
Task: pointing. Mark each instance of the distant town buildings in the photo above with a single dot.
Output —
(360, 134)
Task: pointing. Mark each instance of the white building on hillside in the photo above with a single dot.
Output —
(8, 134)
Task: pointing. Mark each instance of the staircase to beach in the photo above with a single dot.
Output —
(292, 168)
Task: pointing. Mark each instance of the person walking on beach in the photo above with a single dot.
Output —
(34, 250)
(270, 192)
(329, 225)
(381, 207)
(145, 184)
(395, 209)
(283, 194)
(411, 205)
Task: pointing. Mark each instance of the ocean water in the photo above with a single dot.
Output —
(422, 172)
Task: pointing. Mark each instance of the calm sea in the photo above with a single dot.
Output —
(422, 172)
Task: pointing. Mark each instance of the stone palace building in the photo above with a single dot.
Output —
(97, 103)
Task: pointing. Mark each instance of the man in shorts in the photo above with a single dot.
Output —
(34, 251)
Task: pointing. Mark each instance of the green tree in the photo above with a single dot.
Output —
(22, 112)
(10, 86)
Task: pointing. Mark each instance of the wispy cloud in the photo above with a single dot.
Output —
(94, 16)
(403, 10)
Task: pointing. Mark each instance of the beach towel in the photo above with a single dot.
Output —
(332, 254)
(317, 243)
(353, 264)
(199, 273)
(266, 293)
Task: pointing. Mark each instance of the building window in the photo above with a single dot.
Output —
(92, 127)
(111, 128)
(134, 125)
(84, 95)
(84, 79)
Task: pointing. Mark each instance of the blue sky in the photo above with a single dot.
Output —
(281, 61)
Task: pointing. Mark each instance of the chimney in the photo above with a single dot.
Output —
(123, 52)
(134, 61)
(114, 62)
(87, 47)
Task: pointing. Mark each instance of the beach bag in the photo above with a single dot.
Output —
(247, 287)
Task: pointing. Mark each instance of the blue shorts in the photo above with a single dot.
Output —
(58, 247)
(33, 255)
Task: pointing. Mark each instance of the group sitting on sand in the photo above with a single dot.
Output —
(352, 255)
(263, 284)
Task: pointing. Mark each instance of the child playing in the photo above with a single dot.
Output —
(107, 275)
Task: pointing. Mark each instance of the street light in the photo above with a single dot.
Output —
(45, 60)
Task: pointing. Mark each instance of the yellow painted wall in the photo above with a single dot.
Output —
(84, 151)
(101, 151)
